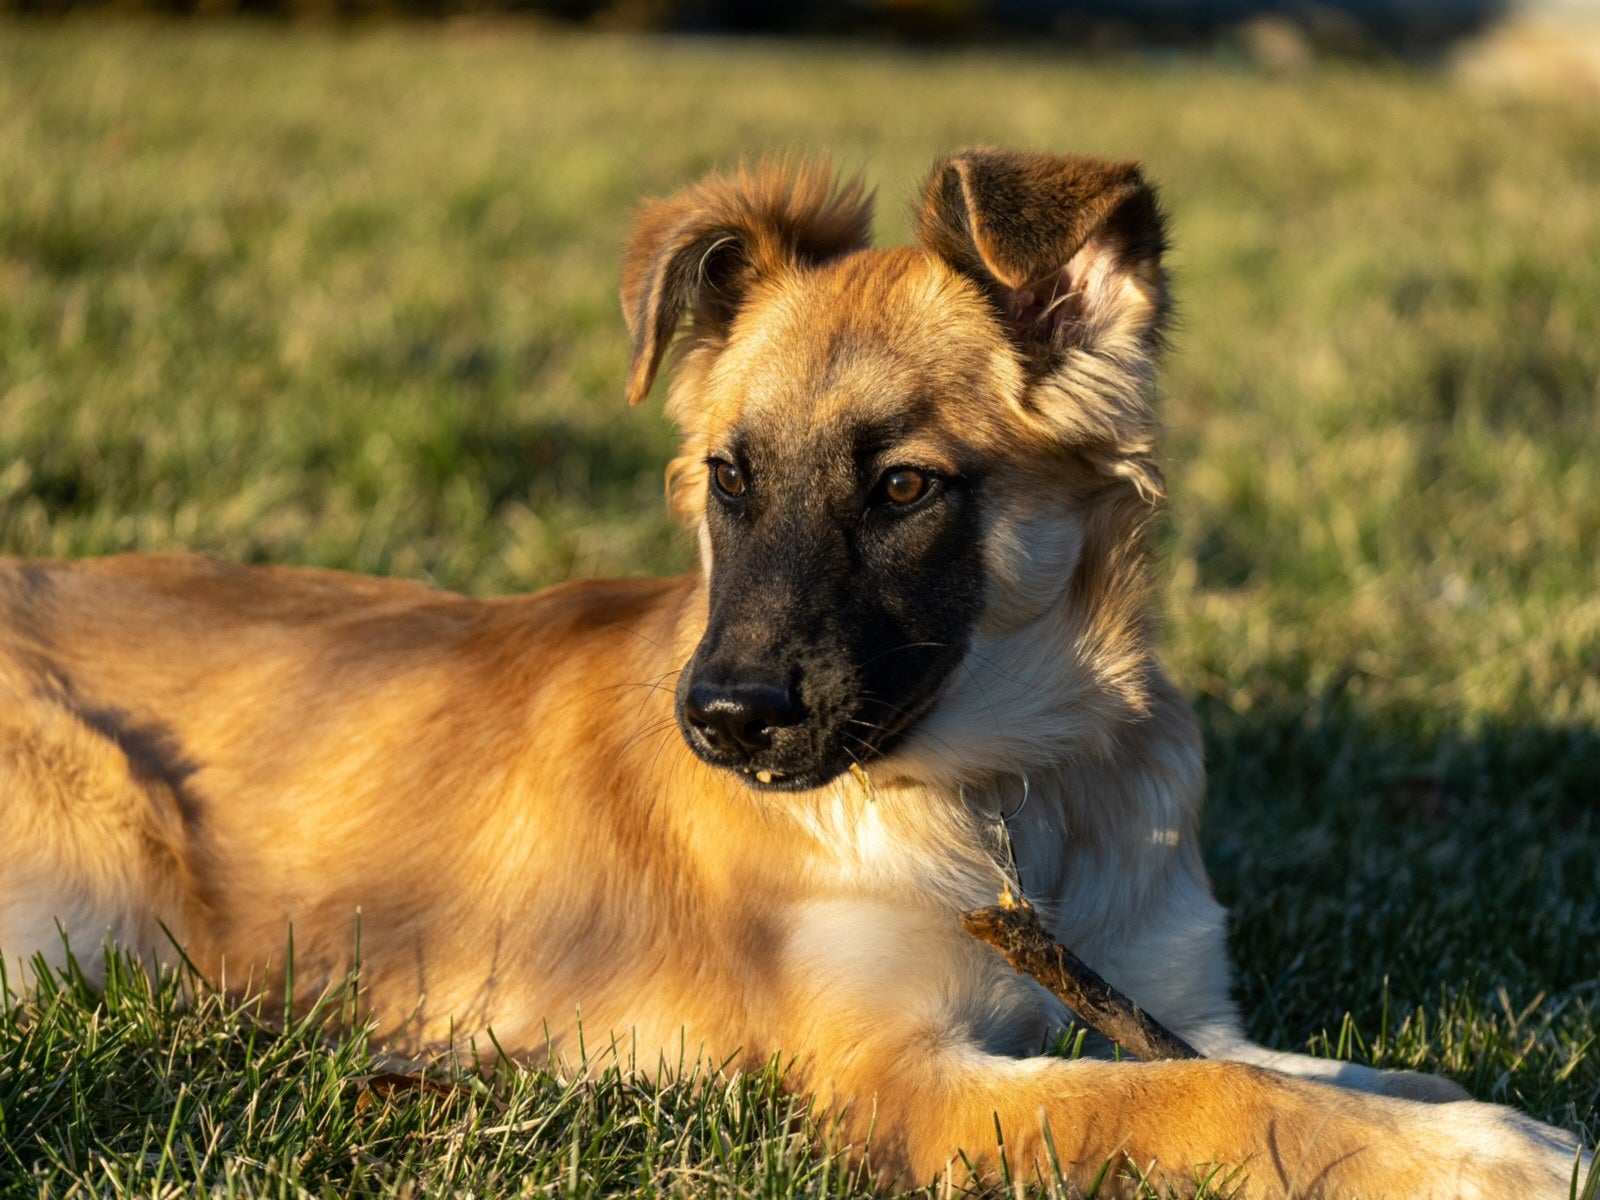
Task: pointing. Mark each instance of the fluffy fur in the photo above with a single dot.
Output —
(517, 799)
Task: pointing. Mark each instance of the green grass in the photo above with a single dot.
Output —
(348, 299)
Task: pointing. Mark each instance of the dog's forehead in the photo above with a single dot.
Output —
(888, 340)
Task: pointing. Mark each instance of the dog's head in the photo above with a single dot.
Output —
(896, 458)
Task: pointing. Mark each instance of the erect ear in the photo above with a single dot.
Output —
(699, 251)
(1069, 248)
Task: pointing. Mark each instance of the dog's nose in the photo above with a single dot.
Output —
(739, 718)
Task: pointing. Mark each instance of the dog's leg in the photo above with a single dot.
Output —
(76, 872)
(1180, 1121)
(906, 1033)
(1147, 921)
(1176, 963)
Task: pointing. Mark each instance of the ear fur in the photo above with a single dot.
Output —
(1069, 249)
(699, 251)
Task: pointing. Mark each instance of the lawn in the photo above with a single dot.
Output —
(347, 299)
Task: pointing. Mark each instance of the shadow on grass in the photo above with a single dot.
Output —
(1376, 862)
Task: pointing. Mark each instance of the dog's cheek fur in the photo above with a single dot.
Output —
(1062, 645)
(1030, 553)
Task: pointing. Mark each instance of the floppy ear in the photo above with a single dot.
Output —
(699, 251)
(1069, 248)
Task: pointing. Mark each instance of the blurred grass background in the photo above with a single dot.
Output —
(346, 298)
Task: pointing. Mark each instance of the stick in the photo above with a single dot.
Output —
(1012, 927)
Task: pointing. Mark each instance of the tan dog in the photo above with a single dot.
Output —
(744, 806)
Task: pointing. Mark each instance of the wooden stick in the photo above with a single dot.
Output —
(1012, 927)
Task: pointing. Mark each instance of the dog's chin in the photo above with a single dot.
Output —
(781, 775)
(758, 779)
(789, 776)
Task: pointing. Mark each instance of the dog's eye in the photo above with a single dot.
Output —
(728, 478)
(903, 486)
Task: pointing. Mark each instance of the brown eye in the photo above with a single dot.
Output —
(729, 479)
(905, 486)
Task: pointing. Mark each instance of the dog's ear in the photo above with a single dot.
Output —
(1068, 248)
(698, 252)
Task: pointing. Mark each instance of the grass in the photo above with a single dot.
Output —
(348, 299)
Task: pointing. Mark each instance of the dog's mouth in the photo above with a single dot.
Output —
(768, 773)
(763, 780)
(836, 754)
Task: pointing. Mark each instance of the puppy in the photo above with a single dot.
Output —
(740, 810)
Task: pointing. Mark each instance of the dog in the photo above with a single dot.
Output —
(740, 810)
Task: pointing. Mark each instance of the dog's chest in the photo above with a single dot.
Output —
(900, 842)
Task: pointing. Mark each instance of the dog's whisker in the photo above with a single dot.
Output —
(987, 703)
(667, 727)
(907, 646)
(659, 726)
(627, 684)
(1038, 668)
(635, 633)
(657, 685)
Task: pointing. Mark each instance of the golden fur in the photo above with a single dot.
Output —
(497, 788)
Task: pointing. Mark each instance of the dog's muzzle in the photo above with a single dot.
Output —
(758, 727)
(735, 722)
